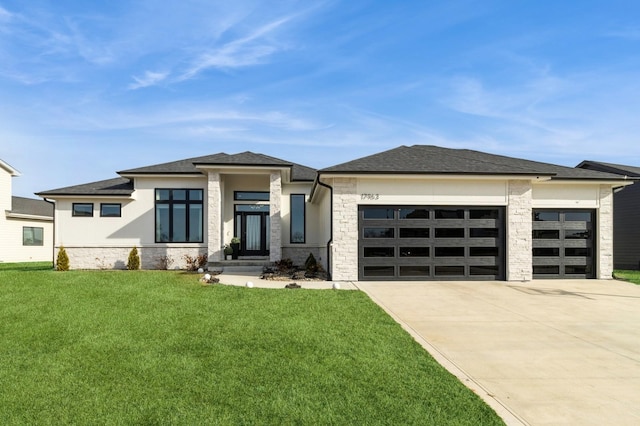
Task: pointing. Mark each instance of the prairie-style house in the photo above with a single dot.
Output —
(410, 213)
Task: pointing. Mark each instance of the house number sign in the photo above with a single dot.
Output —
(369, 196)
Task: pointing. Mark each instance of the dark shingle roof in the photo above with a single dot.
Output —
(619, 169)
(427, 159)
(244, 159)
(30, 206)
(111, 187)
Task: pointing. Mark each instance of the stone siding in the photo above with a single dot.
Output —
(214, 221)
(345, 230)
(299, 254)
(275, 194)
(519, 231)
(116, 257)
(605, 233)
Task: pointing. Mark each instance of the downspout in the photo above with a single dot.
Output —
(330, 242)
(53, 236)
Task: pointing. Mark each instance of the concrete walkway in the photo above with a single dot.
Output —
(546, 352)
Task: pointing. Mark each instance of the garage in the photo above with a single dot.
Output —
(563, 243)
(431, 243)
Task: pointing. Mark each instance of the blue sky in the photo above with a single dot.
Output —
(91, 87)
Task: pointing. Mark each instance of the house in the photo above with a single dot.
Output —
(26, 225)
(410, 213)
(626, 215)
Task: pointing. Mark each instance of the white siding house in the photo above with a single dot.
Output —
(26, 225)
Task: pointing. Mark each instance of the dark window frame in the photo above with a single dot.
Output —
(75, 213)
(304, 218)
(102, 205)
(187, 201)
(33, 244)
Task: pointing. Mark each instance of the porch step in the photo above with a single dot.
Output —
(240, 265)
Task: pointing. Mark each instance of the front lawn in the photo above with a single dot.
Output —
(151, 347)
(631, 276)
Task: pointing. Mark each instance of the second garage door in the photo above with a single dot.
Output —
(431, 243)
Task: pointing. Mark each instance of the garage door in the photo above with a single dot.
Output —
(563, 243)
(431, 243)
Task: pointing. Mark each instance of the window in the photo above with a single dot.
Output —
(179, 215)
(378, 213)
(250, 196)
(32, 236)
(82, 209)
(297, 219)
(110, 210)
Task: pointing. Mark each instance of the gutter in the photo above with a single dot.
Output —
(330, 242)
(53, 237)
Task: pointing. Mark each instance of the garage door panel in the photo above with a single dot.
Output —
(427, 242)
(563, 243)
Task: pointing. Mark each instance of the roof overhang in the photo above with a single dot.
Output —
(247, 169)
(12, 171)
(12, 215)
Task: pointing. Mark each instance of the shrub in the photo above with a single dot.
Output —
(62, 262)
(133, 263)
(283, 266)
(165, 262)
(195, 263)
(311, 266)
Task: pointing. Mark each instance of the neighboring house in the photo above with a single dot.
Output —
(26, 225)
(626, 215)
(419, 212)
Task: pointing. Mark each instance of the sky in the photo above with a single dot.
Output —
(88, 88)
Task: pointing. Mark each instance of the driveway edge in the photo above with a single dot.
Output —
(508, 416)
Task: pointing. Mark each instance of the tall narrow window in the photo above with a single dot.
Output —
(298, 218)
(179, 215)
(32, 236)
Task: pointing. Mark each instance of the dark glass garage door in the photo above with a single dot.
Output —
(563, 243)
(431, 243)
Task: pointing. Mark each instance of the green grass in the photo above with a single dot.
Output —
(151, 347)
(631, 276)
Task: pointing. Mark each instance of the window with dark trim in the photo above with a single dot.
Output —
(298, 219)
(32, 236)
(82, 209)
(251, 196)
(179, 215)
(110, 210)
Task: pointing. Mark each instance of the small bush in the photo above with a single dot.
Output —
(311, 266)
(195, 263)
(133, 263)
(283, 266)
(62, 262)
(165, 262)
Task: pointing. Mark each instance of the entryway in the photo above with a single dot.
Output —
(252, 226)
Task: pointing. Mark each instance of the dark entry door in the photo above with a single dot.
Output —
(252, 226)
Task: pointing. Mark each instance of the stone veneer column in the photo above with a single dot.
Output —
(345, 230)
(519, 231)
(275, 197)
(605, 233)
(214, 221)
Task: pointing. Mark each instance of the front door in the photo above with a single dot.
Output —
(252, 226)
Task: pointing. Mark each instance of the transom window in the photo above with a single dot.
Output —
(251, 196)
(179, 215)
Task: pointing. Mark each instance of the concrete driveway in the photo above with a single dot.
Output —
(545, 352)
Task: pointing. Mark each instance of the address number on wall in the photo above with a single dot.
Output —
(369, 196)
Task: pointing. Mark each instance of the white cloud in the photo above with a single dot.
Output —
(150, 78)
(5, 15)
(249, 50)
